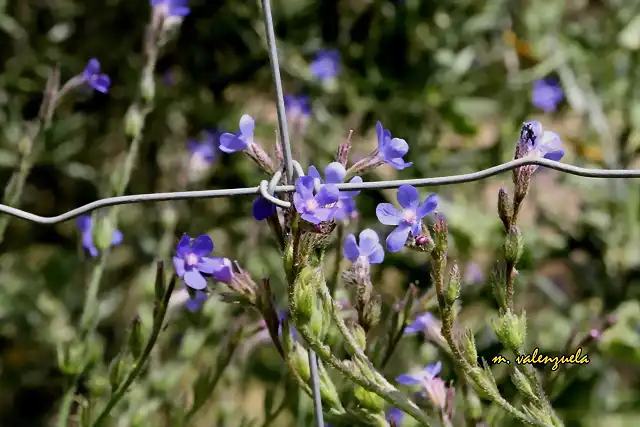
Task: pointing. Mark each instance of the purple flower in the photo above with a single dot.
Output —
(95, 79)
(334, 174)
(195, 304)
(326, 64)
(171, 8)
(204, 152)
(537, 142)
(230, 143)
(315, 208)
(546, 94)
(422, 322)
(395, 416)
(262, 208)
(297, 107)
(85, 224)
(473, 273)
(191, 261)
(369, 247)
(409, 219)
(391, 150)
(428, 373)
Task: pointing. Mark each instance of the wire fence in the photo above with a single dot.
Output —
(268, 189)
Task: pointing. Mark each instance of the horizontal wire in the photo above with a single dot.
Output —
(420, 182)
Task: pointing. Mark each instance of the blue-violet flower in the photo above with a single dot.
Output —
(315, 208)
(326, 64)
(422, 322)
(171, 8)
(369, 247)
(297, 107)
(262, 208)
(85, 224)
(230, 143)
(195, 304)
(391, 150)
(92, 76)
(334, 174)
(537, 142)
(409, 219)
(420, 377)
(192, 260)
(546, 94)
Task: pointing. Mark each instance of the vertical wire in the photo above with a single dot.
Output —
(288, 168)
(275, 70)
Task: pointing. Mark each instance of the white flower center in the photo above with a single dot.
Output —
(311, 205)
(191, 259)
(409, 216)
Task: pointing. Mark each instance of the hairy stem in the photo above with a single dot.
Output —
(141, 361)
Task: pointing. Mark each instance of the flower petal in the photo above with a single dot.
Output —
(398, 237)
(380, 135)
(195, 280)
(408, 196)
(408, 379)
(247, 125)
(230, 143)
(388, 214)
(397, 147)
(304, 187)
(334, 173)
(202, 245)
(368, 241)
(313, 172)
(556, 156)
(178, 264)
(350, 249)
(428, 206)
(184, 245)
(84, 223)
(101, 83)
(351, 193)
(324, 214)
(116, 238)
(432, 370)
(328, 195)
(223, 271)
(377, 256)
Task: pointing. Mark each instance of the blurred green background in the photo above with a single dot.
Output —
(452, 78)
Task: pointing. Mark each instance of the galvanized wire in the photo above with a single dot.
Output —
(372, 185)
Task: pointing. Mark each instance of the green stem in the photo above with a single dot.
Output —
(140, 363)
(65, 408)
(376, 383)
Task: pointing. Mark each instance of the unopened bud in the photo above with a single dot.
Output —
(505, 206)
(372, 312)
(103, 233)
(117, 372)
(473, 404)
(300, 362)
(136, 342)
(133, 121)
(261, 158)
(362, 270)
(513, 245)
(304, 294)
(437, 392)
(453, 288)
(469, 346)
(316, 324)
(522, 384)
(499, 284)
(328, 390)
(368, 400)
(342, 156)
(358, 334)
(511, 329)
(441, 235)
(148, 86)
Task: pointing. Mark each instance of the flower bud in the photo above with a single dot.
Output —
(148, 86)
(511, 329)
(300, 362)
(469, 346)
(522, 384)
(117, 371)
(453, 288)
(372, 311)
(473, 404)
(513, 245)
(316, 324)
(72, 357)
(499, 285)
(358, 334)
(328, 391)
(368, 400)
(133, 121)
(304, 293)
(441, 235)
(103, 233)
(342, 156)
(261, 158)
(362, 270)
(136, 342)
(504, 207)
(424, 243)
